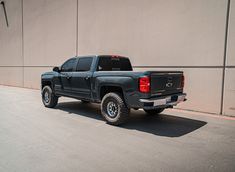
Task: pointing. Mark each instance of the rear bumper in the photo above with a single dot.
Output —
(163, 102)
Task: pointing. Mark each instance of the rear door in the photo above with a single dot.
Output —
(165, 83)
(81, 79)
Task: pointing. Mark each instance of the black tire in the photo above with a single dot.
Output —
(154, 111)
(49, 99)
(114, 109)
(85, 101)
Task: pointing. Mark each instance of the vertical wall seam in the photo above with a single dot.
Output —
(22, 2)
(225, 56)
(77, 29)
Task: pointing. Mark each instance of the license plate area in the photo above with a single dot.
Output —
(162, 101)
(159, 102)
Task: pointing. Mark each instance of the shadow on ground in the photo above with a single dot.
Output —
(161, 125)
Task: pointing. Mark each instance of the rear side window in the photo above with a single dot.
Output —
(114, 64)
(84, 64)
(69, 65)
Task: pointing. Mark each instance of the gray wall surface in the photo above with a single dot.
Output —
(196, 36)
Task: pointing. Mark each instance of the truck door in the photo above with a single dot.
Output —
(64, 78)
(81, 79)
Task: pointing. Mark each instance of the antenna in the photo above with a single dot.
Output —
(5, 12)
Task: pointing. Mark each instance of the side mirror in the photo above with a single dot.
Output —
(56, 69)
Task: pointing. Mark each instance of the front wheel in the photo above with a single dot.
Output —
(114, 109)
(49, 99)
(154, 111)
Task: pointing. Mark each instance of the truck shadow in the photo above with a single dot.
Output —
(161, 125)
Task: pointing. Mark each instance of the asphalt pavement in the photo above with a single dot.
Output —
(73, 137)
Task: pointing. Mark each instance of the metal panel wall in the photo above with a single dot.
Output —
(229, 89)
(11, 53)
(156, 34)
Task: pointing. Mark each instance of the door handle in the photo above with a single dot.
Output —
(86, 78)
(68, 76)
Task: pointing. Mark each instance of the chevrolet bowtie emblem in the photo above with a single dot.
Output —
(169, 84)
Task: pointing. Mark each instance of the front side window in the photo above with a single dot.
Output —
(69, 65)
(84, 64)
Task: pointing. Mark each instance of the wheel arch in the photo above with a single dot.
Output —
(46, 83)
(105, 89)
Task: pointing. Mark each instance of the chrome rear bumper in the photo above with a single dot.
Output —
(167, 101)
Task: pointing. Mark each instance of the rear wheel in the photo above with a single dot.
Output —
(114, 109)
(154, 111)
(49, 99)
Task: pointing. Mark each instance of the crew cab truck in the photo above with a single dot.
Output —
(111, 81)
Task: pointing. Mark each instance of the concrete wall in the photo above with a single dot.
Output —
(186, 35)
(11, 51)
(229, 91)
(50, 29)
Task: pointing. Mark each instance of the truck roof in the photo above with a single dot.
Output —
(101, 56)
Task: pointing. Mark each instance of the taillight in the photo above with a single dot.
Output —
(144, 84)
(182, 81)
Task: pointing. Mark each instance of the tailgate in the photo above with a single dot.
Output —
(166, 82)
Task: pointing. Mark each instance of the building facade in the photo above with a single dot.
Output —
(196, 36)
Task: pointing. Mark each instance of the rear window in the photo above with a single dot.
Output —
(84, 64)
(109, 63)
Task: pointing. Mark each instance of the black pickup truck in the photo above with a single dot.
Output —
(109, 80)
